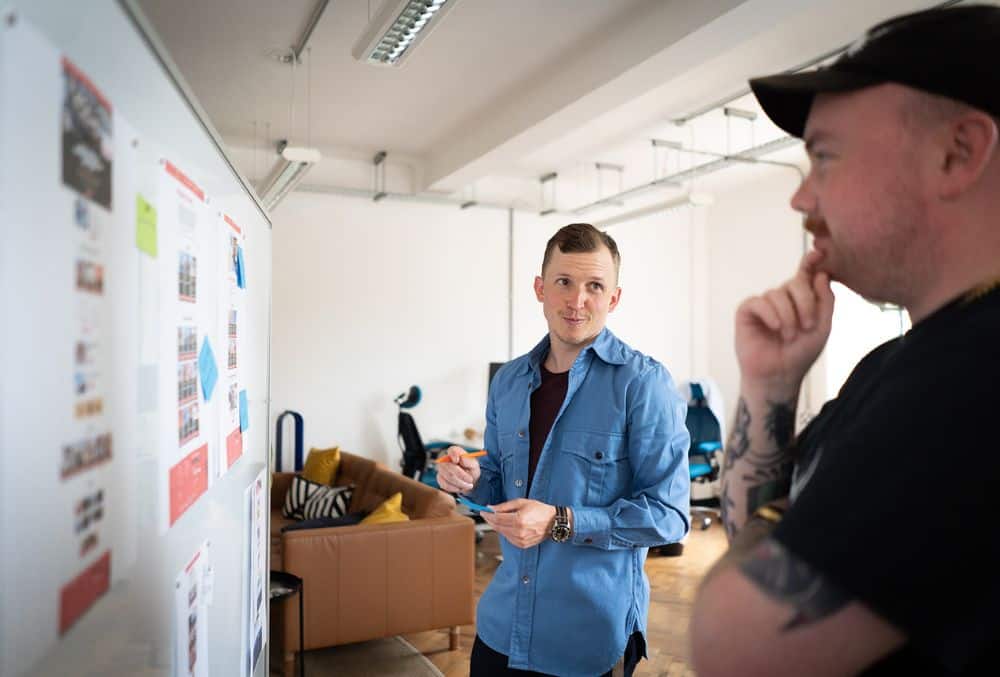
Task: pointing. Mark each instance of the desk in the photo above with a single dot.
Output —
(282, 585)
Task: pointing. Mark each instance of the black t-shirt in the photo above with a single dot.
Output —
(892, 496)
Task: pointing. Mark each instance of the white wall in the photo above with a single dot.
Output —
(372, 297)
(858, 326)
(754, 243)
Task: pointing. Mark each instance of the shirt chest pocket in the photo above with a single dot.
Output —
(600, 460)
(513, 483)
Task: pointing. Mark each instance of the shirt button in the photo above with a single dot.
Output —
(525, 580)
(598, 455)
(588, 541)
(520, 433)
(518, 483)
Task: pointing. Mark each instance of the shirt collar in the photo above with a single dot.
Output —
(606, 346)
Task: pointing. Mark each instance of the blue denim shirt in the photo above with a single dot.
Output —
(617, 456)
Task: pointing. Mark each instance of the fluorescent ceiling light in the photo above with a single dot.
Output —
(398, 29)
(293, 163)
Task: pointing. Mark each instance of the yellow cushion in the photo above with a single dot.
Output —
(391, 510)
(321, 465)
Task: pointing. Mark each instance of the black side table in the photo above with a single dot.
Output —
(282, 585)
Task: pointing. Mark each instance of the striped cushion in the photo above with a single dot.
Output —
(298, 494)
(328, 502)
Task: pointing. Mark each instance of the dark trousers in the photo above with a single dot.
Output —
(486, 662)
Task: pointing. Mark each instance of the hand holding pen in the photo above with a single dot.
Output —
(458, 470)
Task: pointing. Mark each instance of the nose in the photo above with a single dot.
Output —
(578, 297)
(803, 200)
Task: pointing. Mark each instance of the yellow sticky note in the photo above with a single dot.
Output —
(145, 226)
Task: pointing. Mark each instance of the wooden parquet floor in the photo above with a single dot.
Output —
(673, 583)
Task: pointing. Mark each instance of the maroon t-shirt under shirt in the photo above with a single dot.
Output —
(545, 404)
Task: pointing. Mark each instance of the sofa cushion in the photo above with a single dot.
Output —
(328, 502)
(321, 465)
(298, 495)
(309, 500)
(391, 510)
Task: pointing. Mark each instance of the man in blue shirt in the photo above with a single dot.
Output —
(586, 469)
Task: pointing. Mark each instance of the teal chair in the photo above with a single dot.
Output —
(704, 454)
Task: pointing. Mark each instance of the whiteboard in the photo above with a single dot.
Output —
(135, 274)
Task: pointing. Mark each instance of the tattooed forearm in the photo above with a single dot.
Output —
(782, 576)
(757, 467)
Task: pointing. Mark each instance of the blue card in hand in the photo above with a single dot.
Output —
(472, 506)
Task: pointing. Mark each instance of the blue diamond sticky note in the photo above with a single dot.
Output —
(244, 411)
(207, 370)
(241, 272)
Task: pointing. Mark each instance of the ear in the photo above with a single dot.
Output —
(970, 144)
(615, 298)
(538, 288)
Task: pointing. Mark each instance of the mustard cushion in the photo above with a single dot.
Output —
(321, 465)
(391, 510)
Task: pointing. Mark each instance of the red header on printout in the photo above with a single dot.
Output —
(184, 180)
(232, 223)
(87, 82)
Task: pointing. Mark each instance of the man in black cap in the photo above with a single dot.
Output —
(865, 544)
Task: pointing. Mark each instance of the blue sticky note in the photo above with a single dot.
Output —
(244, 411)
(472, 506)
(208, 372)
(241, 273)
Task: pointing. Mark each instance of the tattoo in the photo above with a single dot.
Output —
(739, 439)
(739, 445)
(726, 506)
(780, 423)
(768, 473)
(787, 579)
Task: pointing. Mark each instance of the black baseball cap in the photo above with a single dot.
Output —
(950, 52)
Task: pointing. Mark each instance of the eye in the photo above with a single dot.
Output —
(562, 281)
(819, 156)
(597, 286)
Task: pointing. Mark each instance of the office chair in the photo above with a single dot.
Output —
(414, 461)
(704, 457)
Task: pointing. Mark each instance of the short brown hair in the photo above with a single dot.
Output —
(581, 237)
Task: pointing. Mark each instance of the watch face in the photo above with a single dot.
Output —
(560, 533)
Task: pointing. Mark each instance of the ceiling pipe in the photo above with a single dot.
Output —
(750, 155)
(404, 197)
(616, 199)
(676, 180)
(689, 199)
(300, 46)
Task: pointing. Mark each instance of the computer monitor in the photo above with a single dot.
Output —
(494, 368)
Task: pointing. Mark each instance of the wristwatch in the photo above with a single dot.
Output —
(560, 528)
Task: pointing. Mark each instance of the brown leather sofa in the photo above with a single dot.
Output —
(368, 581)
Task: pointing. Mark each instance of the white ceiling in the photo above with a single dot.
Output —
(501, 91)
